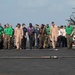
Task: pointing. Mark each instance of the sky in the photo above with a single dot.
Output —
(35, 11)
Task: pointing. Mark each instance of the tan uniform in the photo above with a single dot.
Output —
(54, 35)
(18, 37)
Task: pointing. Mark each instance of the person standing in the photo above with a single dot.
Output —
(54, 34)
(24, 39)
(7, 37)
(47, 36)
(18, 36)
(12, 38)
(1, 37)
(36, 36)
(31, 32)
(63, 36)
(69, 30)
(59, 38)
(42, 36)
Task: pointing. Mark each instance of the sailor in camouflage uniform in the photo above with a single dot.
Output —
(42, 36)
(7, 37)
(47, 38)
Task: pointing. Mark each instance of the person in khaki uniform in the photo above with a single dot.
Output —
(54, 34)
(18, 36)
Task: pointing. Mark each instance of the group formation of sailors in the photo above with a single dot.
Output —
(40, 36)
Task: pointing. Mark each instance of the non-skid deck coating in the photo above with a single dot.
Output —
(14, 62)
(37, 53)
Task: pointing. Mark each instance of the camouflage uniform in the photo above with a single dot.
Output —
(7, 37)
(0, 38)
(47, 42)
(42, 37)
(7, 42)
(12, 39)
(47, 38)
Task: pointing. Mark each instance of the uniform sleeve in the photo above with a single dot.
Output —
(51, 30)
(22, 32)
(11, 32)
(72, 28)
(4, 31)
(66, 30)
(0, 29)
(15, 31)
(57, 29)
(39, 31)
(26, 30)
(45, 31)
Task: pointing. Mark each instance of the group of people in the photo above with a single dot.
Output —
(41, 37)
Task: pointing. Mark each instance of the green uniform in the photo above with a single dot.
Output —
(48, 30)
(0, 31)
(47, 39)
(0, 34)
(8, 31)
(69, 31)
(8, 34)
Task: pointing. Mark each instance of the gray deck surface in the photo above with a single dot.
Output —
(37, 62)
